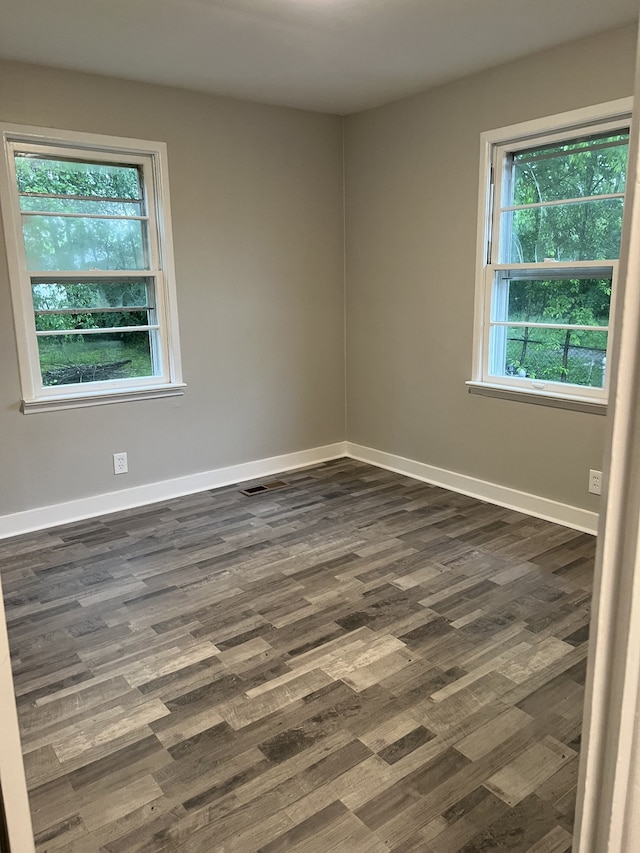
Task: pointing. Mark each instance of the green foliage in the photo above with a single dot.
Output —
(65, 243)
(564, 232)
(89, 238)
(557, 355)
(89, 295)
(575, 301)
(74, 178)
(131, 355)
(588, 230)
(69, 243)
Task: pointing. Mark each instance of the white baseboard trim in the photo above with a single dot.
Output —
(549, 510)
(41, 518)
(95, 505)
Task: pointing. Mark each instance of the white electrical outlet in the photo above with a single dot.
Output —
(120, 465)
(595, 482)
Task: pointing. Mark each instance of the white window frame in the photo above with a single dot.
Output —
(152, 159)
(494, 145)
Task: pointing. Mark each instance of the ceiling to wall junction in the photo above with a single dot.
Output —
(336, 56)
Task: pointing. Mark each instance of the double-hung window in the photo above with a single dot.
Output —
(90, 259)
(551, 208)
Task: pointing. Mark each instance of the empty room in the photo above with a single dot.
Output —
(311, 332)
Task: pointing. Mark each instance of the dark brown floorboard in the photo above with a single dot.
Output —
(356, 662)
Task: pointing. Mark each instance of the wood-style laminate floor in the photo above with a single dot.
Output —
(358, 663)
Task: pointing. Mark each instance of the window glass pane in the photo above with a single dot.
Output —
(77, 178)
(554, 355)
(51, 204)
(69, 359)
(90, 241)
(92, 320)
(62, 243)
(580, 302)
(566, 232)
(52, 296)
(587, 167)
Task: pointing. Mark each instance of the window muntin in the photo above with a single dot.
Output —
(562, 201)
(78, 214)
(91, 331)
(537, 179)
(96, 303)
(550, 330)
(553, 230)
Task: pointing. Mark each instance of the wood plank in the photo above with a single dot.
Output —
(356, 662)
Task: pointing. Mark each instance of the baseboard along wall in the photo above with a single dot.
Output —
(493, 493)
(95, 505)
(43, 517)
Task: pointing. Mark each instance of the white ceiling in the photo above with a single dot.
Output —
(329, 55)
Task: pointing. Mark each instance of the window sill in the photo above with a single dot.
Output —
(540, 398)
(100, 398)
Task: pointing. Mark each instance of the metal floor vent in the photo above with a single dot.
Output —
(265, 487)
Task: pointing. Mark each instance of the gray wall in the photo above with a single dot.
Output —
(412, 195)
(258, 230)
